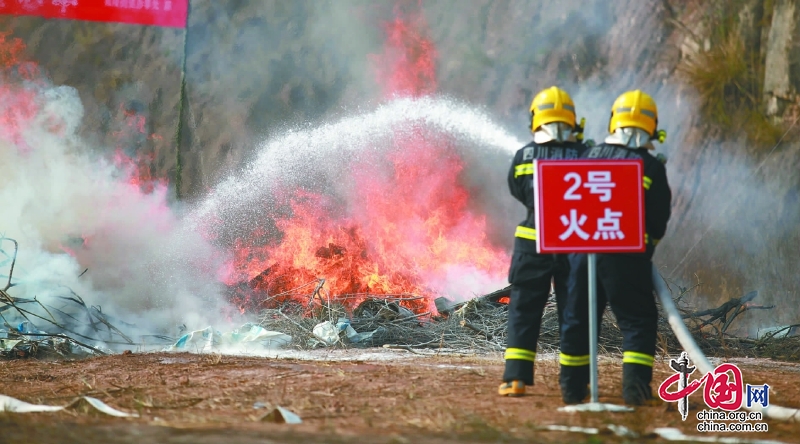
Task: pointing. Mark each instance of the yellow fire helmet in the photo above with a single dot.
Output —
(634, 109)
(552, 105)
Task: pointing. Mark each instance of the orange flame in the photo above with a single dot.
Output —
(407, 230)
(19, 105)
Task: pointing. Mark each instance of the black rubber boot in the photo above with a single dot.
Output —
(574, 383)
(636, 380)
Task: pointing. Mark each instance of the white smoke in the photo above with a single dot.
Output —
(70, 210)
(322, 152)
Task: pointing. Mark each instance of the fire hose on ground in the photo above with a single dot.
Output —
(701, 362)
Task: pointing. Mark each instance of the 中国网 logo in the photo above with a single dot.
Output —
(724, 393)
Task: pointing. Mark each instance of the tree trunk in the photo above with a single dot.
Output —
(778, 82)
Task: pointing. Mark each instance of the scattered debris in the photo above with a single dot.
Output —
(562, 428)
(18, 345)
(445, 306)
(623, 431)
(595, 407)
(282, 415)
(13, 405)
(209, 339)
(382, 309)
(102, 407)
(9, 404)
(70, 325)
(615, 429)
(781, 331)
(379, 320)
(329, 333)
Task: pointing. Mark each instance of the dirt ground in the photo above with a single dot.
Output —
(391, 396)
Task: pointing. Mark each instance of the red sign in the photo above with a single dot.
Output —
(170, 13)
(589, 206)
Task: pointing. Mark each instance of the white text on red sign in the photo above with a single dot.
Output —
(599, 182)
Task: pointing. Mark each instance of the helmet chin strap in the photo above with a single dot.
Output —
(554, 132)
(631, 137)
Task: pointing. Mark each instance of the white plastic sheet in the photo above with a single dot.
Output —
(595, 407)
(209, 339)
(282, 415)
(13, 405)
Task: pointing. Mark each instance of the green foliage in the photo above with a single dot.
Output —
(729, 79)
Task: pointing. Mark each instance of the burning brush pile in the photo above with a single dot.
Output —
(404, 226)
(405, 237)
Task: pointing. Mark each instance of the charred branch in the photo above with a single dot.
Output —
(737, 305)
(12, 258)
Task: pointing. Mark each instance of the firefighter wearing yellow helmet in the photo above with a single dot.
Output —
(556, 135)
(624, 280)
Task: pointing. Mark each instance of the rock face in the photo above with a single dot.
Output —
(256, 68)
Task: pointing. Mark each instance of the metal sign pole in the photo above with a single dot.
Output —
(593, 325)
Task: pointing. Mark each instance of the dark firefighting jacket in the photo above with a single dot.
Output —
(657, 195)
(520, 183)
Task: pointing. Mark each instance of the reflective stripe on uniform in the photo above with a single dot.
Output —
(525, 232)
(647, 182)
(630, 357)
(523, 169)
(647, 240)
(573, 361)
(520, 354)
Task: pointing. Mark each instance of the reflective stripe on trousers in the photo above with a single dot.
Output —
(631, 357)
(572, 360)
(520, 354)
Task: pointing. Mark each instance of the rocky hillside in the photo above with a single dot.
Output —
(253, 68)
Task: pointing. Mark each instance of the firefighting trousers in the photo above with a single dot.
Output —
(531, 276)
(625, 284)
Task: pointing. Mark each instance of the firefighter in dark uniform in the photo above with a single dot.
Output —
(624, 280)
(555, 136)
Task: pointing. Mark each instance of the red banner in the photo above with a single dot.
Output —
(170, 13)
